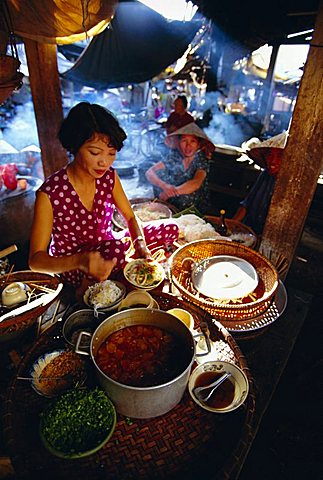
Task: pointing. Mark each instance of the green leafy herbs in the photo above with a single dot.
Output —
(78, 421)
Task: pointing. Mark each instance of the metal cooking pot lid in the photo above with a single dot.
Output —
(224, 277)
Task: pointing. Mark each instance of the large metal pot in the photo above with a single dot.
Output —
(143, 402)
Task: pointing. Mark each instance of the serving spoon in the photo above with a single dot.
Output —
(201, 392)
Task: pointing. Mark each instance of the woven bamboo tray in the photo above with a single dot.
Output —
(186, 441)
(43, 286)
(251, 306)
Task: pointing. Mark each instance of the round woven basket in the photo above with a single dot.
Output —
(257, 302)
(8, 68)
(16, 324)
(7, 88)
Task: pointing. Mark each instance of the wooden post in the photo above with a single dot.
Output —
(302, 162)
(268, 89)
(47, 100)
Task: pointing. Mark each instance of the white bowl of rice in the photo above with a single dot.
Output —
(105, 296)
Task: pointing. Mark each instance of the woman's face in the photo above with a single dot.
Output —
(188, 145)
(96, 156)
(179, 106)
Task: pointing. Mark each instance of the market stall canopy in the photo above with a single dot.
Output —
(254, 24)
(248, 22)
(288, 67)
(60, 21)
(139, 44)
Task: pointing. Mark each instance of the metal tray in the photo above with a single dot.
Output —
(275, 310)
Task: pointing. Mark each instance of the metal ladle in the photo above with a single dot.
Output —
(202, 395)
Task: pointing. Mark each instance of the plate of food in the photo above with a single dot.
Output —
(78, 423)
(145, 211)
(105, 296)
(143, 273)
(57, 371)
(195, 227)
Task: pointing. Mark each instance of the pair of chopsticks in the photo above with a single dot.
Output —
(4, 253)
(279, 261)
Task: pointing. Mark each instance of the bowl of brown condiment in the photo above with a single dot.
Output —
(55, 372)
(228, 396)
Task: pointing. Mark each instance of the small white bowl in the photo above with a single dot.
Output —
(138, 299)
(130, 268)
(238, 379)
(184, 316)
(13, 294)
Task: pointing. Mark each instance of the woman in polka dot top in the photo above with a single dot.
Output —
(72, 229)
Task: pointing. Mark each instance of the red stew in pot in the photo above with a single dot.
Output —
(143, 356)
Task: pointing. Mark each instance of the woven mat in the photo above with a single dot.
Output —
(186, 441)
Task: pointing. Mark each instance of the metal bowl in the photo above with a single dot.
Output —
(80, 321)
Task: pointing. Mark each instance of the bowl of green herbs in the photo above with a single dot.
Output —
(78, 423)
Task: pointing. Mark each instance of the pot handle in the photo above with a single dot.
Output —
(206, 334)
(78, 348)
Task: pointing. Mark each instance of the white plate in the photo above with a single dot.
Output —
(224, 277)
(146, 212)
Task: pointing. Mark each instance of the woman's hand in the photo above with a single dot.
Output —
(169, 191)
(95, 265)
(141, 250)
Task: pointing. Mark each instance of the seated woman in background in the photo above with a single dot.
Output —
(181, 179)
(180, 116)
(72, 229)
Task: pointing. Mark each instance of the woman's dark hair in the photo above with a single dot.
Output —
(83, 121)
(183, 99)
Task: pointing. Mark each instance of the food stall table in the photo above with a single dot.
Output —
(187, 440)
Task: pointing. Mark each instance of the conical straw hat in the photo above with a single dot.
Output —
(190, 129)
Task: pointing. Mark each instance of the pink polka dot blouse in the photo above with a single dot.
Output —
(76, 229)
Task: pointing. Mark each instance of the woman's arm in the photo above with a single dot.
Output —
(192, 185)
(240, 214)
(135, 229)
(188, 187)
(151, 175)
(39, 259)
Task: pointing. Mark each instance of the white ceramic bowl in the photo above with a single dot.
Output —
(137, 272)
(54, 385)
(184, 316)
(238, 379)
(13, 294)
(138, 299)
(108, 307)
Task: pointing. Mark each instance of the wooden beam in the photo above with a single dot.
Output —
(47, 100)
(268, 88)
(302, 161)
